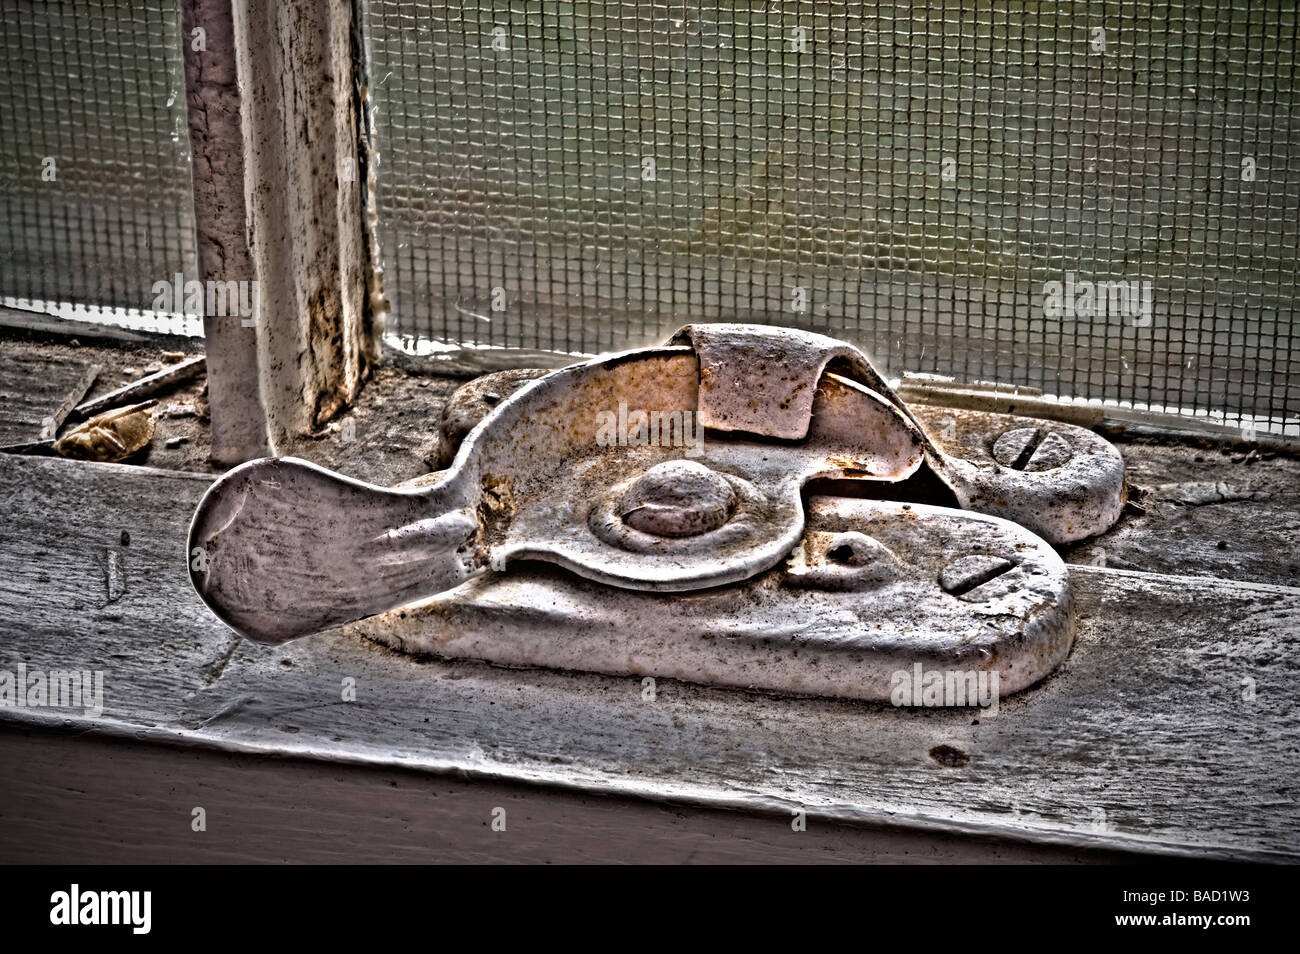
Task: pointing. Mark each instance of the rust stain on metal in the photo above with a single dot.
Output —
(495, 511)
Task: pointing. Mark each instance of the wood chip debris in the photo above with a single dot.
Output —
(112, 436)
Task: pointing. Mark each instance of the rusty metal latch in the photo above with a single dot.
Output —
(744, 468)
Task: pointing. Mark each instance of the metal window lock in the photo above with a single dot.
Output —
(731, 508)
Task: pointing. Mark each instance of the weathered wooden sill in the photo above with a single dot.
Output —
(1143, 744)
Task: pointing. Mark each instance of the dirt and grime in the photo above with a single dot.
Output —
(1198, 509)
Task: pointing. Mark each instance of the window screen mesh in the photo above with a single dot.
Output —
(913, 177)
(95, 196)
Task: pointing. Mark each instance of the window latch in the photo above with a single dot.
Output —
(769, 478)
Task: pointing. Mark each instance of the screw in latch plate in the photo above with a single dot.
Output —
(1032, 449)
(966, 574)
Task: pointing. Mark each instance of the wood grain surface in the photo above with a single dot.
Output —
(1149, 738)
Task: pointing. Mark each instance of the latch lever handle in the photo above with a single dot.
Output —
(280, 548)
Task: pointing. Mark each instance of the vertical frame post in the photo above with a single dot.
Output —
(290, 197)
(239, 426)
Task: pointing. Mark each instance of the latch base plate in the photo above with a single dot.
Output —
(874, 590)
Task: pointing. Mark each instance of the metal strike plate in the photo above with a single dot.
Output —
(678, 469)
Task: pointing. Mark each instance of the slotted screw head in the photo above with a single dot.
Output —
(968, 573)
(1031, 449)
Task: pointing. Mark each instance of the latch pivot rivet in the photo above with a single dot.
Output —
(678, 498)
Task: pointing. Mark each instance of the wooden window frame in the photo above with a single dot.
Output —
(703, 773)
(273, 94)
